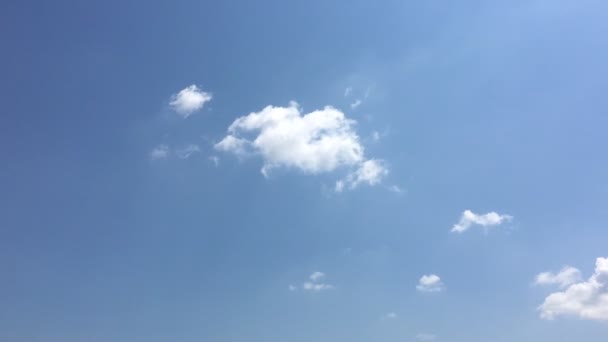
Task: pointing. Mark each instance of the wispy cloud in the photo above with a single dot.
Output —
(395, 188)
(189, 100)
(159, 152)
(390, 315)
(187, 151)
(370, 172)
(163, 151)
(215, 160)
(348, 91)
(358, 100)
(376, 136)
(469, 219)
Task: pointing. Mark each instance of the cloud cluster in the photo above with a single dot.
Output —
(430, 283)
(317, 142)
(315, 284)
(469, 218)
(584, 299)
(189, 100)
(184, 103)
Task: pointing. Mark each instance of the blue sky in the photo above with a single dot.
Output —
(304, 171)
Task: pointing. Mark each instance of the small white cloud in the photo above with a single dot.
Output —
(584, 300)
(391, 315)
(292, 288)
(426, 337)
(189, 100)
(317, 142)
(370, 172)
(430, 283)
(187, 151)
(315, 284)
(348, 91)
(356, 104)
(469, 218)
(310, 286)
(567, 276)
(159, 152)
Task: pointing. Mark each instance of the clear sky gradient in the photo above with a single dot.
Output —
(129, 213)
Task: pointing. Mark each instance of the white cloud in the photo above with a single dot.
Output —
(235, 145)
(370, 172)
(426, 337)
(567, 276)
(356, 104)
(585, 300)
(430, 283)
(159, 152)
(189, 100)
(310, 286)
(315, 284)
(391, 315)
(292, 288)
(469, 219)
(187, 151)
(317, 142)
